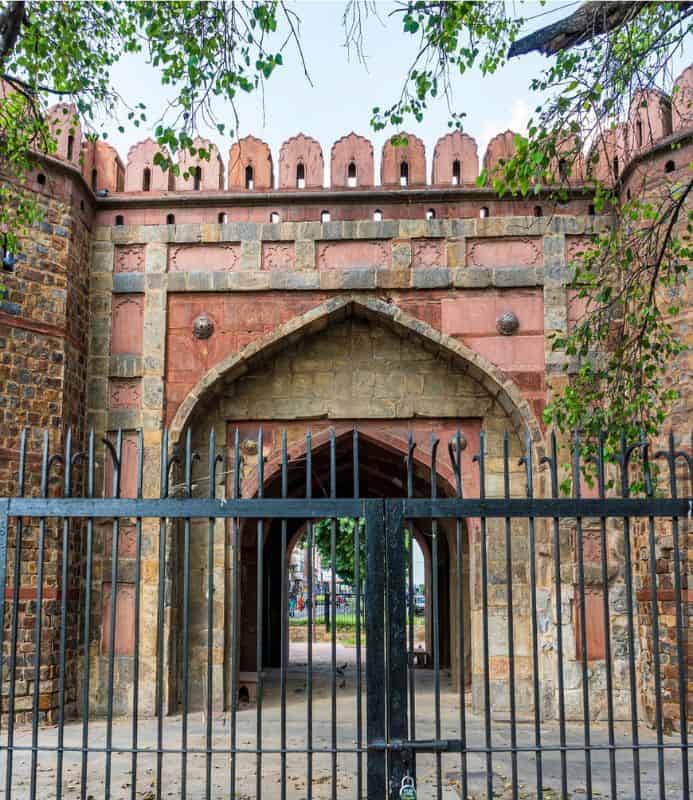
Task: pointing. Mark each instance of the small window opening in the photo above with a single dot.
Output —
(119, 220)
(351, 175)
(274, 217)
(197, 178)
(81, 205)
(249, 177)
(616, 172)
(41, 179)
(483, 212)
(404, 174)
(591, 210)
(562, 169)
(628, 194)
(146, 179)
(170, 219)
(456, 172)
(300, 176)
(431, 213)
(638, 133)
(377, 215)
(94, 179)
(223, 218)
(325, 216)
(538, 211)
(70, 147)
(669, 166)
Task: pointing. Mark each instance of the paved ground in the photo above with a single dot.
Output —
(346, 775)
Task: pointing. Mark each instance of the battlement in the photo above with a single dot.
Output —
(652, 117)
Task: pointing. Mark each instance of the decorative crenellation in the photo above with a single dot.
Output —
(652, 117)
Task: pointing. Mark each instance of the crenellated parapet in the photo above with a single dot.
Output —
(455, 160)
(652, 118)
(351, 163)
(403, 164)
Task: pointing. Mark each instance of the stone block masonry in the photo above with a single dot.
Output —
(398, 307)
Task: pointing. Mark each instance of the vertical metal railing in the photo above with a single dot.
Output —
(581, 734)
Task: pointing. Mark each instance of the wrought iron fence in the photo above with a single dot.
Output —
(152, 634)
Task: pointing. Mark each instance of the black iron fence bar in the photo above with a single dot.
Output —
(259, 619)
(672, 456)
(552, 462)
(319, 508)
(659, 723)
(411, 445)
(583, 623)
(456, 460)
(284, 654)
(333, 597)
(628, 574)
(526, 461)
(63, 618)
(116, 453)
(14, 629)
(86, 665)
(45, 469)
(214, 459)
(488, 735)
(375, 641)
(396, 642)
(375, 746)
(136, 615)
(309, 659)
(456, 746)
(601, 485)
(510, 621)
(357, 587)
(235, 616)
(436, 619)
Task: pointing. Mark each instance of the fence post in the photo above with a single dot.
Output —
(374, 513)
(397, 656)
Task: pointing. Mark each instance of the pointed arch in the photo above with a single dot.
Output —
(491, 377)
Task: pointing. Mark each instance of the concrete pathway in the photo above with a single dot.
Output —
(296, 763)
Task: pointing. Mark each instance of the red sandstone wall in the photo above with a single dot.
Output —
(469, 316)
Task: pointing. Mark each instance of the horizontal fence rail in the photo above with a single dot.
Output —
(473, 629)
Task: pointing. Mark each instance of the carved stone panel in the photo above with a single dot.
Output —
(426, 253)
(127, 324)
(277, 256)
(124, 394)
(204, 257)
(520, 251)
(129, 258)
(353, 255)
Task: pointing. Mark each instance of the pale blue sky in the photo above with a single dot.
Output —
(344, 91)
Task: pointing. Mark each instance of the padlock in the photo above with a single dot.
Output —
(407, 790)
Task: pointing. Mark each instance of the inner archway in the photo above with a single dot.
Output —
(377, 470)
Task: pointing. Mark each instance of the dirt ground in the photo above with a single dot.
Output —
(296, 763)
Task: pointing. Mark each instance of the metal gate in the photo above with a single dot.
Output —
(550, 713)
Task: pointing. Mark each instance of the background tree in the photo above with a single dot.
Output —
(632, 277)
(209, 51)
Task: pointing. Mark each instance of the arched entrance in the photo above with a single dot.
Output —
(377, 467)
(359, 363)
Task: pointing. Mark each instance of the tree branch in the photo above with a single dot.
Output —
(11, 18)
(590, 20)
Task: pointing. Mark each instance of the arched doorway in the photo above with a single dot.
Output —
(363, 363)
(378, 470)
